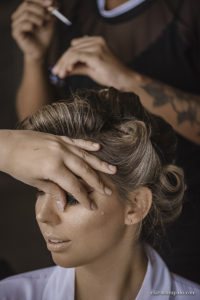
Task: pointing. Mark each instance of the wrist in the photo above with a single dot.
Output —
(32, 60)
(130, 80)
(5, 142)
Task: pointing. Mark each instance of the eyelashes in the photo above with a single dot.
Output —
(71, 200)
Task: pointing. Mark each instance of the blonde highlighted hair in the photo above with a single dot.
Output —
(141, 145)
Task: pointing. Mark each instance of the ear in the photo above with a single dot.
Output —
(138, 208)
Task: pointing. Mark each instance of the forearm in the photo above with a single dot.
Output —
(180, 109)
(5, 137)
(34, 90)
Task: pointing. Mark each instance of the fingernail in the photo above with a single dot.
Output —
(112, 168)
(60, 205)
(93, 205)
(107, 191)
(54, 70)
(95, 145)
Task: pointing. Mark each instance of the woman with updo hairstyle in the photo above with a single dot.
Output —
(107, 253)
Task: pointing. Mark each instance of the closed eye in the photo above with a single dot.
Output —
(71, 200)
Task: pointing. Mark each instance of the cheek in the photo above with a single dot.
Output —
(92, 233)
(93, 225)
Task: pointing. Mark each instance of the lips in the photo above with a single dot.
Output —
(58, 246)
(54, 239)
(55, 243)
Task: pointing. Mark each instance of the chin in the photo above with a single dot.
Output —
(65, 261)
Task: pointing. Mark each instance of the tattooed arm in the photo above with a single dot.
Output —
(180, 109)
(92, 57)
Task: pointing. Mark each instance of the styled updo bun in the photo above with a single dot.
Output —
(141, 145)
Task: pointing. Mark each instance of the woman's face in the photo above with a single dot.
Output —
(79, 236)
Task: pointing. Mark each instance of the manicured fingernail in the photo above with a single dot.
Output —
(60, 205)
(95, 145)
(93, 205)
(112, 168)
(107, 191)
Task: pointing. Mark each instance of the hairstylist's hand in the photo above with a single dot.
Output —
(91, 56)
(32, 27)
(50, 163)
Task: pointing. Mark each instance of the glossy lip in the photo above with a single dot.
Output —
(57, 246)
(52, 246)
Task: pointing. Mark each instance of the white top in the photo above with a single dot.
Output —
(121, 9)
(56, 283)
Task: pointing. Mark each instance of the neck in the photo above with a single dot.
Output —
(111, 4)
(117, 275)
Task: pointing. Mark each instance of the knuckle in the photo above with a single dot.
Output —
(54, 145)
(83, 154)
(70, 140)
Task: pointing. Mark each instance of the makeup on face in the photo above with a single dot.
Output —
(78, 236)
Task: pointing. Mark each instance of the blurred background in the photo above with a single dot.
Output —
(21, 244)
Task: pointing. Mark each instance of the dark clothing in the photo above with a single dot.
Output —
(160, 39)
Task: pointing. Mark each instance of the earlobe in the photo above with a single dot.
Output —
(138, 208)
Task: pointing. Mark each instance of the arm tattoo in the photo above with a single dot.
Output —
(186, 106)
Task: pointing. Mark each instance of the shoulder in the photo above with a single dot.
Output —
(29, 285)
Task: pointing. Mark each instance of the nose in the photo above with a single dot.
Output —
(46, 211)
